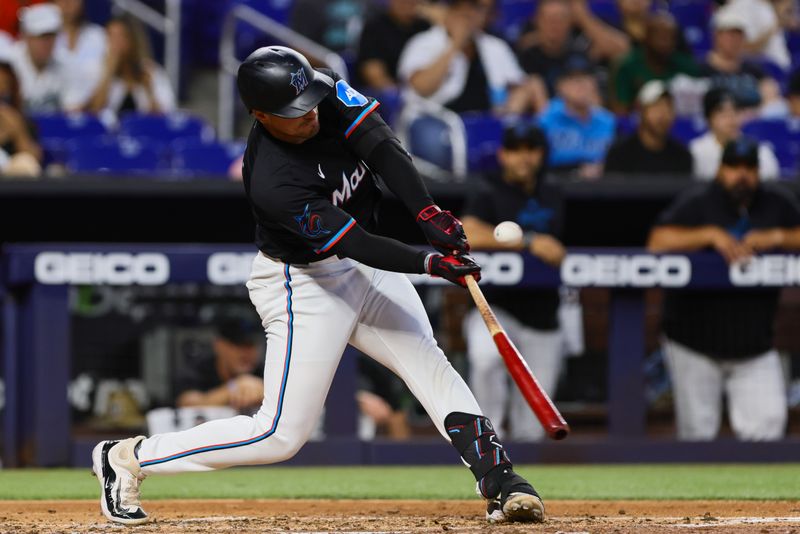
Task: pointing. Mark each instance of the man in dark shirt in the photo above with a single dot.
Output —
(726, 65)
(721, 342)
(229, 375)
(651, 149)
(382, 41)
(517, 194)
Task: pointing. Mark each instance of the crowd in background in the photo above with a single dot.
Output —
(579, 73)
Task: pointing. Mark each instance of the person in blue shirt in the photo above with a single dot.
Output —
(578, 130)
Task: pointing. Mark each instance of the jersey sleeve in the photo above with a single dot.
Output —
(360, 123)
(304, 214)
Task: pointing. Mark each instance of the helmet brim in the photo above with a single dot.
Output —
(318, 88)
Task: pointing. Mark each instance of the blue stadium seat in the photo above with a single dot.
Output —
(784, 138)
(55, 131)
(63, 126)
(193, 158)
(165, 128)
(484, 137)
(605, 10)
(114, 155)
(694, 17)
(512, 15)
(428, 138)
(687, 128)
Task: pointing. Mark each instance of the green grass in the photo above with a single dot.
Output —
(553, 482)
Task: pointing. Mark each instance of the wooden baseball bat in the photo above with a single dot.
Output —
(548, 415)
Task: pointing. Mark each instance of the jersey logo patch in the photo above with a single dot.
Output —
(349, 96)
(311, 224)
(299, 80)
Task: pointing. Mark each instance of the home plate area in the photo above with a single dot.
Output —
(303, 515)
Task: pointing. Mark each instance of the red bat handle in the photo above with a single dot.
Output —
(548, 415)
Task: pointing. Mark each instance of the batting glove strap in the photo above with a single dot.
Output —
(443, 230)
(452, 268)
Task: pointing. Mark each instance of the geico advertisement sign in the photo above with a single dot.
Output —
(229, 268)
(638, 270)
(767, 270)
(114, 268)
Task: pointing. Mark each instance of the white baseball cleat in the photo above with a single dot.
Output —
(518, 507)
(117, 469)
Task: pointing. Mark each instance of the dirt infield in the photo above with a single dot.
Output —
(406, 516)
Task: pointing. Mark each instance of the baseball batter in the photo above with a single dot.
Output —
(322, 280)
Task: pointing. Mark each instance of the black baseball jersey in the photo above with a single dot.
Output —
(496, 201)
(726, 324)
(305, 197)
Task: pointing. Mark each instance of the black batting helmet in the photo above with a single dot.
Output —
(280, 81)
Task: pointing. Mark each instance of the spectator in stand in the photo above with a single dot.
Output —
(561, 29)
(793, 95)
(131, 80)
(726, 66)
(657, 59)
(724, 125)
(651, 150)
(720, 343)
(632, 22)
(766, 22)
(80, 44)
(47, 84)
(551, 41)
(518, 193)
(335, 24)
(459, 66)
(578, 131)
(20, 155)
(382, 41)
(230, 374)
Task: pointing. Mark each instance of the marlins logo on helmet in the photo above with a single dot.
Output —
(299, 80)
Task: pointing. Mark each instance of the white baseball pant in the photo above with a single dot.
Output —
(755, 390)
(310, 313)
(490, 381)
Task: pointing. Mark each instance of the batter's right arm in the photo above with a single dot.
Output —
(391, 255)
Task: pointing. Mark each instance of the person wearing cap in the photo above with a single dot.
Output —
(578, 130)
(719, 343)
(657, 59)
(726, 66)
(724, 125)
(767, 20)
(46, 82)
(459, 66)
(516, 193)
(229, 374)
(651, 150)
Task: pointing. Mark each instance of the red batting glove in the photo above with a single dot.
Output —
(452, 268)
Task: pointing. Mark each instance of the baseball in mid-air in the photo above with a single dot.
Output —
(508, 232)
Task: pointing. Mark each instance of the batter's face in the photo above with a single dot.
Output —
(293, 131)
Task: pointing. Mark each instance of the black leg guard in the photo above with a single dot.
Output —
(474, 438)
